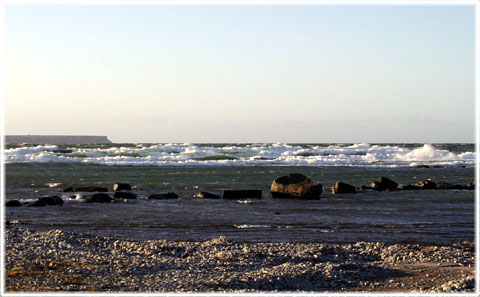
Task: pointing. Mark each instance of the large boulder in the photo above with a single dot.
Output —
(99, 198)
(122, 187)
(343, 188)
(242, 194)
(384, 184)
(295, 185)
(169, 195)
(206, 195)
(426, 184)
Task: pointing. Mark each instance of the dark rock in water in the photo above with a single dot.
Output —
(36, 203)
(13, 203)
(426, 184)
(242, 194)
(437, 166)
(391, 189)
(51, 200)
(206, 195)
(169, 195)
(409, 187)
(457, 187)
(122, 187)
(443, 185)
(363, 188)
(99, 198)
(48, 200)
(343, 188)
(471, 186)
(295, 185)
(86, 189)
(384, 184)
(125, 195)
(63, 151)
(422, 166)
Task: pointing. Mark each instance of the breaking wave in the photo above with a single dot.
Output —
(175, 154)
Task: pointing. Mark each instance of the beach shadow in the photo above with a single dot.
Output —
(328, 270)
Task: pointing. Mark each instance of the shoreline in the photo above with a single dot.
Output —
(56, 261)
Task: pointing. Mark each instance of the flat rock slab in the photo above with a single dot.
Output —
(99, 198)
(242, 194)
(161, 196)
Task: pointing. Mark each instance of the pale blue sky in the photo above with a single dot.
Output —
(241, 73)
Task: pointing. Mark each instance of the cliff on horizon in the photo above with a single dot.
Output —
(56, 139)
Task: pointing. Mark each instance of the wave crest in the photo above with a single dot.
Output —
(362, 154)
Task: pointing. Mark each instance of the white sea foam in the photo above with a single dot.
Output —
(76, 197)
(248, 226)
(33, 149)
(177, 154)
(427, 153)
(249, 201)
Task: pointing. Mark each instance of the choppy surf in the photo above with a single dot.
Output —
(185, 154)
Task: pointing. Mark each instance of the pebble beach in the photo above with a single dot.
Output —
(58, 261)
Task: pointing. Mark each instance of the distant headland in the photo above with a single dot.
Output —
(56, 139)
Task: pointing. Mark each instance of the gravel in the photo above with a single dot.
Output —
(55, 260)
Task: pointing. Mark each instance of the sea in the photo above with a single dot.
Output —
(407, 216)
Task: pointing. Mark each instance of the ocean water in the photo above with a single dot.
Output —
(175, 154)
(427, 216)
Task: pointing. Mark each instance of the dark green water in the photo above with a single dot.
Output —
(433, 216)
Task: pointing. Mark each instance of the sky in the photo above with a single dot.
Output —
(206, 73)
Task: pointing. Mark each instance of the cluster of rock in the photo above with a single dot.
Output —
(291, 186)
(441, 185)
(388, 185)
(381, 184)
(122, 191)
(42, 201)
